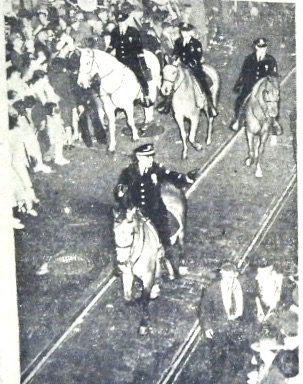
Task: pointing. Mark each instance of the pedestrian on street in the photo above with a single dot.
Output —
(256, 66)
(139, 186)
(227, 318)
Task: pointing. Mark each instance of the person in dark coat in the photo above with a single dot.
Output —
(127, 43)
(150, 40)
(189, 51)
(256, 66)
(141, 182)
(227, 318)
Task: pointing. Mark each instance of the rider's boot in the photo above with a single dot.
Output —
(276, 129)
(212, 112)
(165, 105)
(146, 102)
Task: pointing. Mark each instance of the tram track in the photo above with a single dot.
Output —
(194, 336)
(171, 374)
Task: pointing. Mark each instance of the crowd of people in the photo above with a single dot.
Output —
(47, 109)
(250, 322)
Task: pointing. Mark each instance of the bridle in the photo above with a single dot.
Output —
(93, 61)
(175, 88)
(265, 92)
(131, 244)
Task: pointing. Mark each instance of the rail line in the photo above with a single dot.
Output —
(194, 336)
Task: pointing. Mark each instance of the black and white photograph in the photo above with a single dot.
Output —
(149, 198)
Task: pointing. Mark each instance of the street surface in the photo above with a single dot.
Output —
(227, 208)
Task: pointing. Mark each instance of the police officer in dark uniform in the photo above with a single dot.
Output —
(127, 42)
(189, 50)
(257, 65)
(143, 180)
(150, 40)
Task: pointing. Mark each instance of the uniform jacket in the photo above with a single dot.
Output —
(145, 190)
(190, 54)
(253, 70)
(128, 46)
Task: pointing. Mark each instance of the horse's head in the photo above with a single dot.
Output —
(169, 76)
(86, 69)
(125, 227)
(271, 96)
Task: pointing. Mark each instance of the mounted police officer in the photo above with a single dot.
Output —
(256, 66)
(126, 41)
(139, 186)
(189, 51)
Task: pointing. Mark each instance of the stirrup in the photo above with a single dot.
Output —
(146, 102)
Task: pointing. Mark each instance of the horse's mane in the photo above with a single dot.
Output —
(108, 57)
(257, 86)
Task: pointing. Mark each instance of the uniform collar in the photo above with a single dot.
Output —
(185, 42)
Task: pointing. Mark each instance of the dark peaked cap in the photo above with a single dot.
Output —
(145, 150)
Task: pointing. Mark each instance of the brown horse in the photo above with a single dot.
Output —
(257, 115)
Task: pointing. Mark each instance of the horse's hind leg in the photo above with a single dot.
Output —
(129, 110)
(149, 115)
(209, 130)
(110, 113)
(155, 291)
(193, 132)
(251, 154)
(180, 122)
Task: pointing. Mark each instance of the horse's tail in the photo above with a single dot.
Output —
(215, 78)
(153, 64)
(176, 203)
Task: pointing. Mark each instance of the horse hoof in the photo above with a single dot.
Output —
(259, 174)
(111, 150)
(155, 292)
(208, 142)
(129, 302)
(197, 146)
(184, 156)
(248, 162)
(136, 138)
(143, 330)
(273, 141)
(183, 271)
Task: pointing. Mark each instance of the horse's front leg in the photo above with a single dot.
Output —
(129, 110)
(264, 137)
(145, 299)
(250, 140)
(127, 281)
(180, 121)
(193, 132)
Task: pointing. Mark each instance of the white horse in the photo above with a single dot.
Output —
(188, 100)
(119, 87)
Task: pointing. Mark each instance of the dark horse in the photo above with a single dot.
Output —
(139, 250)
(257, 114)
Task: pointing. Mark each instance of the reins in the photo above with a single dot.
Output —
(175, 88)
